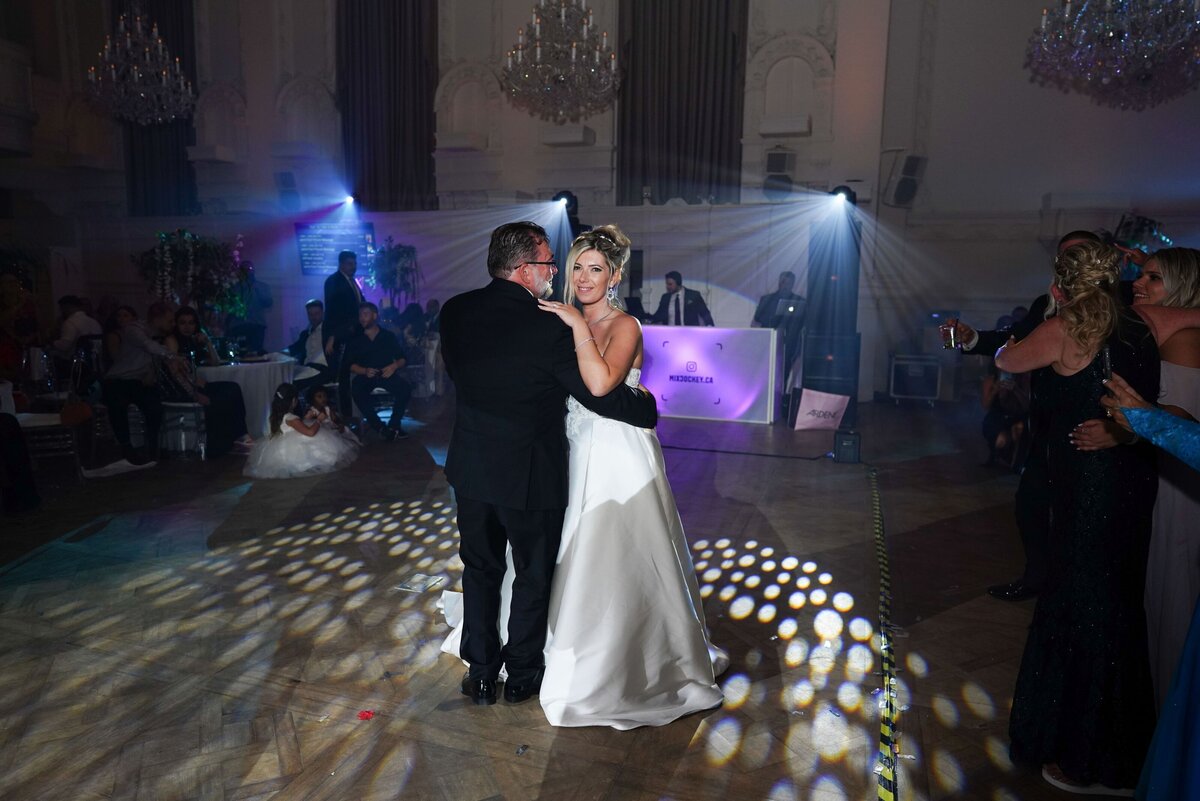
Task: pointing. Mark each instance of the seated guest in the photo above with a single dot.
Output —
(18, 321)
(309, 349)
(178, 382)
(681, 306)
(376, 358)
(412, 333)
(75, 324)
(433, 314)
(250, 327)
(190, 339)
(131, 380)
(322, 411)
(389, 320)
(18, 493)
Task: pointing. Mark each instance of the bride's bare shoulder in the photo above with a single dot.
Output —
(624, 321)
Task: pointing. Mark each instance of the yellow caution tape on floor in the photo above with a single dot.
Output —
(886, 767)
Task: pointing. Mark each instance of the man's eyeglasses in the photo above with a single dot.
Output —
(551, 263)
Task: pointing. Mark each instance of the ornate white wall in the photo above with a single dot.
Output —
(846, 86)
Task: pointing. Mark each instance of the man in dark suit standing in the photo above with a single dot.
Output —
(513, 366)
(681, 306)
(342, 297)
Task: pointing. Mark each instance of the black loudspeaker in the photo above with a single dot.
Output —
(846, 446)
(904, 183)
(831, 365)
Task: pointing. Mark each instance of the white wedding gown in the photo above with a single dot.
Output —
(627, 644)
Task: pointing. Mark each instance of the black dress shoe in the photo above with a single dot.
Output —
(480, 691)
(1015, 591)
(522, 690)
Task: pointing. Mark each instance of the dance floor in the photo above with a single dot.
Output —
(184, 633)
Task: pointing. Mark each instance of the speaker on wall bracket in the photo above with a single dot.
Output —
(908, 171)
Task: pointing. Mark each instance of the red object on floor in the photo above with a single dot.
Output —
(366, 714)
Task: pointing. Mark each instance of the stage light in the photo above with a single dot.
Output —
(349, 200)
(844, 194)
(562, 201)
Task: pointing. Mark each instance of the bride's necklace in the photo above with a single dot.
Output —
(601, 319)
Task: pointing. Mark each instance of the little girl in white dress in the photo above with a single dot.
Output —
(321, 411)
(295, 447)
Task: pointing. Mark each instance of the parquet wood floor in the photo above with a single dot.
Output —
(183, 633)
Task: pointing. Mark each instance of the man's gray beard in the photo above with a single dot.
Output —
(546, 291)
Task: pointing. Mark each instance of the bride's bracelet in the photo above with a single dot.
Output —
(584, 342)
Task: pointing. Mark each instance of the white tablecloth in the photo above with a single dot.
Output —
(258, 381)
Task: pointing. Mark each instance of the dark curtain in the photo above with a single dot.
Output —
(387, 74)
(159, 178)
(680, 114)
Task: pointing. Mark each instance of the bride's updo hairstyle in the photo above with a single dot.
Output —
(611, 243)
(1087, 274)
(1180, 268)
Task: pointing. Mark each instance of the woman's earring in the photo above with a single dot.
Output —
(612, 294)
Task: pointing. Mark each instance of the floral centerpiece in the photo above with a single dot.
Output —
(199, 271)
(393, 268)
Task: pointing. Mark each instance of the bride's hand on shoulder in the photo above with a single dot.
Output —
(565, 311)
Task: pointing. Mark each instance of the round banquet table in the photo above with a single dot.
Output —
(258, 380)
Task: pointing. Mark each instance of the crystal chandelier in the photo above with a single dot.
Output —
(560, 69)
(136, 78)
(1127, 54)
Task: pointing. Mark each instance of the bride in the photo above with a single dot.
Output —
(627, 644)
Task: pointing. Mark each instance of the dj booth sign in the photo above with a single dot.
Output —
(712, 373)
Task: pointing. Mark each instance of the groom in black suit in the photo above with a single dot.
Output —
(513, 366)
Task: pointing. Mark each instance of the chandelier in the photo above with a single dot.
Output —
(136, 78)
(1127, 54)
(560, 69)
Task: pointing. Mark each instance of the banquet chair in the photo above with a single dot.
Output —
(183, 432)
(47, 439)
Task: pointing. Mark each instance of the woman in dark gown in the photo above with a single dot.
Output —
(1083, 707)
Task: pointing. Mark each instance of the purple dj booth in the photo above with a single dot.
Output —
(713, 373)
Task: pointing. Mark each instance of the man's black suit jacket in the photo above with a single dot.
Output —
(341, 310)
(513, 366)
(695, 311)
(991, 341)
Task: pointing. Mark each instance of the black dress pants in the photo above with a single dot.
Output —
(119, 394)
(1033, 515)
(534, 536)
(399, 388)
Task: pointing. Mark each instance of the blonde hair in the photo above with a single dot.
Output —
(1181, 275)
(1087, 274)
(611, 243)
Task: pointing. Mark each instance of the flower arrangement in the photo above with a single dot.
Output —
(393, 268)
(187, 269)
